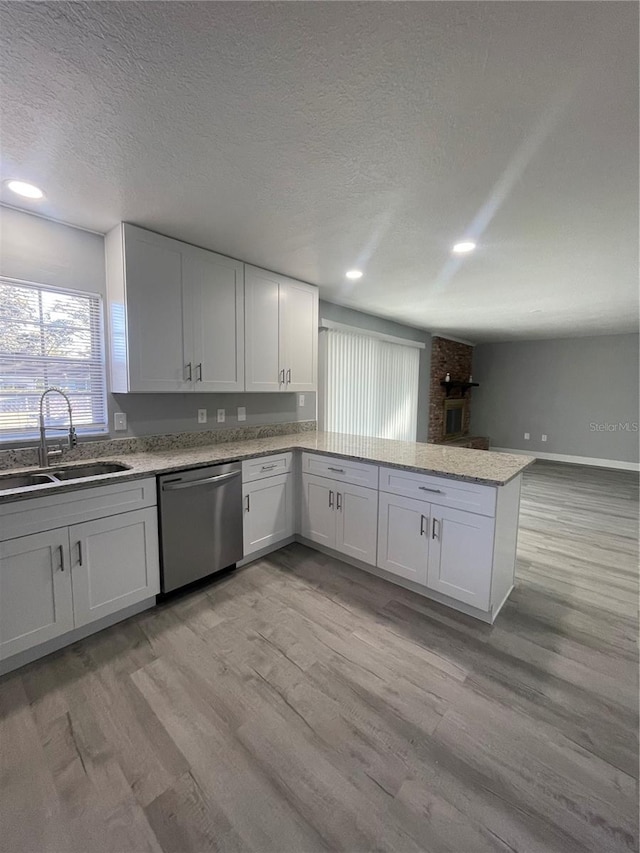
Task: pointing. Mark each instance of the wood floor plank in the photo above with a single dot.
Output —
(302, 705)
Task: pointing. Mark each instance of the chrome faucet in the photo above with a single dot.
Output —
(43, 452)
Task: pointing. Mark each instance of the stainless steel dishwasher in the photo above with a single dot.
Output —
(200, 522)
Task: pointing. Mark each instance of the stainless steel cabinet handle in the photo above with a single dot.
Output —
(422, 521)
(330, 499)
(338, 501)
(289, 376)
(187, 368)
(427, 489)
(433, 529)
(337, 470)
(281, 373)
(173, 486)
(268, 467)
(248, 506)
(61, 549)
(199, 369)
(79, 553)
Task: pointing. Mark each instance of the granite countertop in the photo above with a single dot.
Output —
(476, 466)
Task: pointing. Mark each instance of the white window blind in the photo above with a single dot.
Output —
(368, 386)
(50, 336)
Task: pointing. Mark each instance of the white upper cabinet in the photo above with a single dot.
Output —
(262, 331)
(299, 335)
(281, 330)
(144, 292)
(176, 315)
(214, 320)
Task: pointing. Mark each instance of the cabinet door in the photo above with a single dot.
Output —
(263, 371)
(461, 555)
(403, 544)
(214, 320)
(36, 604)
(299, 335)
(114, 563)
(318, 510)
(268, 512)
(357, 522)
(153, 272)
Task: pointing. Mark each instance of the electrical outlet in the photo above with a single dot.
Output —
(202, 416)
(220, 416)
(544, 437)
(119, 421)
(242, 413)
(301, 400)
(527, 436)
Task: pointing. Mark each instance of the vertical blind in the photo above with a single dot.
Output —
(369, 386)
(50, 337)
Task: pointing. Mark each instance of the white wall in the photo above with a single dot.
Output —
(36, 249)
(577, 391)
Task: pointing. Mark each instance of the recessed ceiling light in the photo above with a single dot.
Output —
(463, 247)
(354, 274)
(24, 189)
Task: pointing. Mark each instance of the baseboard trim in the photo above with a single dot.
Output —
(618, 464)
(396, 580)
(262, 552)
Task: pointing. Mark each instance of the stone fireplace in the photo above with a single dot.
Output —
(450, 405)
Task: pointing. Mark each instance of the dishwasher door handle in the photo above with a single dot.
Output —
(174, 486)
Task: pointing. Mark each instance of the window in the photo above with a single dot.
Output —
(368, 385)
(50, 336)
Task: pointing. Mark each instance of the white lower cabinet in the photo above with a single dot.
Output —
(268, 512)
(88, 567)
(114, 563)
(403, 537)
(340, 516)
(461, 555)
(447, 550)
(36, 602)
(318, 510)
(357, 522)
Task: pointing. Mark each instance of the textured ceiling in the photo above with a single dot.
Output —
(310, 138)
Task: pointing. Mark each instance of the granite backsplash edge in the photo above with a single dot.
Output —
(26, 457)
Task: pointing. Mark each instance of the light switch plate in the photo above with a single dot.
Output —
(119, 421)
(301, 400)
(220, 416)
(202, 416)
(242, 413)
(544, 437)
(527, 436)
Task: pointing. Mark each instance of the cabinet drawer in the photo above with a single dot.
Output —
(58, 510)
(342, 470)
(266, 466)
(457, 494)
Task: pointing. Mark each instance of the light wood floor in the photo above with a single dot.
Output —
(301, 705)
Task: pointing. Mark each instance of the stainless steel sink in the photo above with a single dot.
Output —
(94, 469)
(20, 481)
(69, 472)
